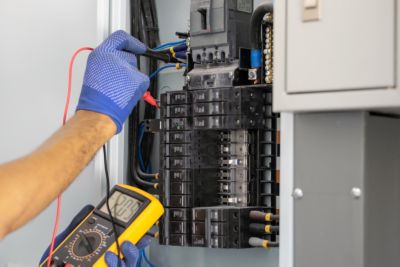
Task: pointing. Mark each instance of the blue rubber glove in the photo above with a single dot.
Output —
(74, 223)
(112, 84)
(131, 253)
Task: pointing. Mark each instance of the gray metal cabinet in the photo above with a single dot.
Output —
(347, 167)
(343, 57)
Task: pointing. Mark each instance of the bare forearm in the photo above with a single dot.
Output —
(28, 185)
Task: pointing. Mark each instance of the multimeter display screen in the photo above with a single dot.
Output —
(123, 207)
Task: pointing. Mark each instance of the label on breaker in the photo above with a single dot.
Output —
(179, 175)
(178, 137)
(178, 111)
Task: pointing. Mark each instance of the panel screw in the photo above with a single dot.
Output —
(356, 192)
(298, 193)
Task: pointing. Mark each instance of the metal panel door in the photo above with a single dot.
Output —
(350, 47)
(328, 163)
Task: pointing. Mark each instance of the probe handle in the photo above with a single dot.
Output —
(160, 56)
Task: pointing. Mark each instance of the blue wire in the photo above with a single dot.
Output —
(140, 155)
(141, 127)
(181, 55)
(167, 45)
(139, 260)
(180, 48)
(147, 260)
(151, 76)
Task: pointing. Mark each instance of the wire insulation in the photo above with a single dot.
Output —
(166, 66)
(108, 205)
(168, 45)
(146, 259)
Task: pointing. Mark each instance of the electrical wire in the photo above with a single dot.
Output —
(139, 260)
(64, 120)
(144, 26)
(181, 55)
(147, 260)
(140, 168)
(140, 137)
(166, 66)
(180, 48)
(132, 145)
(168, 45)
(108, 206)
(143, 166)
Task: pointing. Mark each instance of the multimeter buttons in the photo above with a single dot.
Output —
(86, 244)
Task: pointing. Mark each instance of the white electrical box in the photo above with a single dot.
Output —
(333, 55)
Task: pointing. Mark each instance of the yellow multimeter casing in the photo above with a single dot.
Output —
(134, 211)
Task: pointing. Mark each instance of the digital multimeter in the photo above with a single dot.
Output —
(134, 211)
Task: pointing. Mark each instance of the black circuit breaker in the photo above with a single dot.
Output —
(219, 137)
(218, 156)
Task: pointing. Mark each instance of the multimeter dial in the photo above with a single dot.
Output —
(86, 244)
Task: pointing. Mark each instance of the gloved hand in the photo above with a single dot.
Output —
(112, 84)
(74, 223)
(131, 253)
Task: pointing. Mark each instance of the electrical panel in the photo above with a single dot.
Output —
(220, 139)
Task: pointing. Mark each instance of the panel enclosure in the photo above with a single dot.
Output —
(347, 59)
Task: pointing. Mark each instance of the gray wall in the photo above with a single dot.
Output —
(195, 257)
(37, 39)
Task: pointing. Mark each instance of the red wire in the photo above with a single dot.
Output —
(71, 64)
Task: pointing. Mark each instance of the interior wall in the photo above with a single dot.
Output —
(37, 40)
(168, 256)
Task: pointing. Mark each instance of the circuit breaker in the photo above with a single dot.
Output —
(219, 137)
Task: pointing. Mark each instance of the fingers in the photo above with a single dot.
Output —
(144, 82)
(112, 260)
(131, 253)
(128, 57)
(121, 40)
(144, 242)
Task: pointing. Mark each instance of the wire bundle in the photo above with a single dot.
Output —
(262, 229)
(168, 45)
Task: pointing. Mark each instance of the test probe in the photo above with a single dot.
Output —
(162, 56)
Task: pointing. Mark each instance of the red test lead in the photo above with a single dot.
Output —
(150, 99)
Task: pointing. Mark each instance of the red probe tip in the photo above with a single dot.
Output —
(150, 99)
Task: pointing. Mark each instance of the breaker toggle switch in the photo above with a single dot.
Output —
(311, 10)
